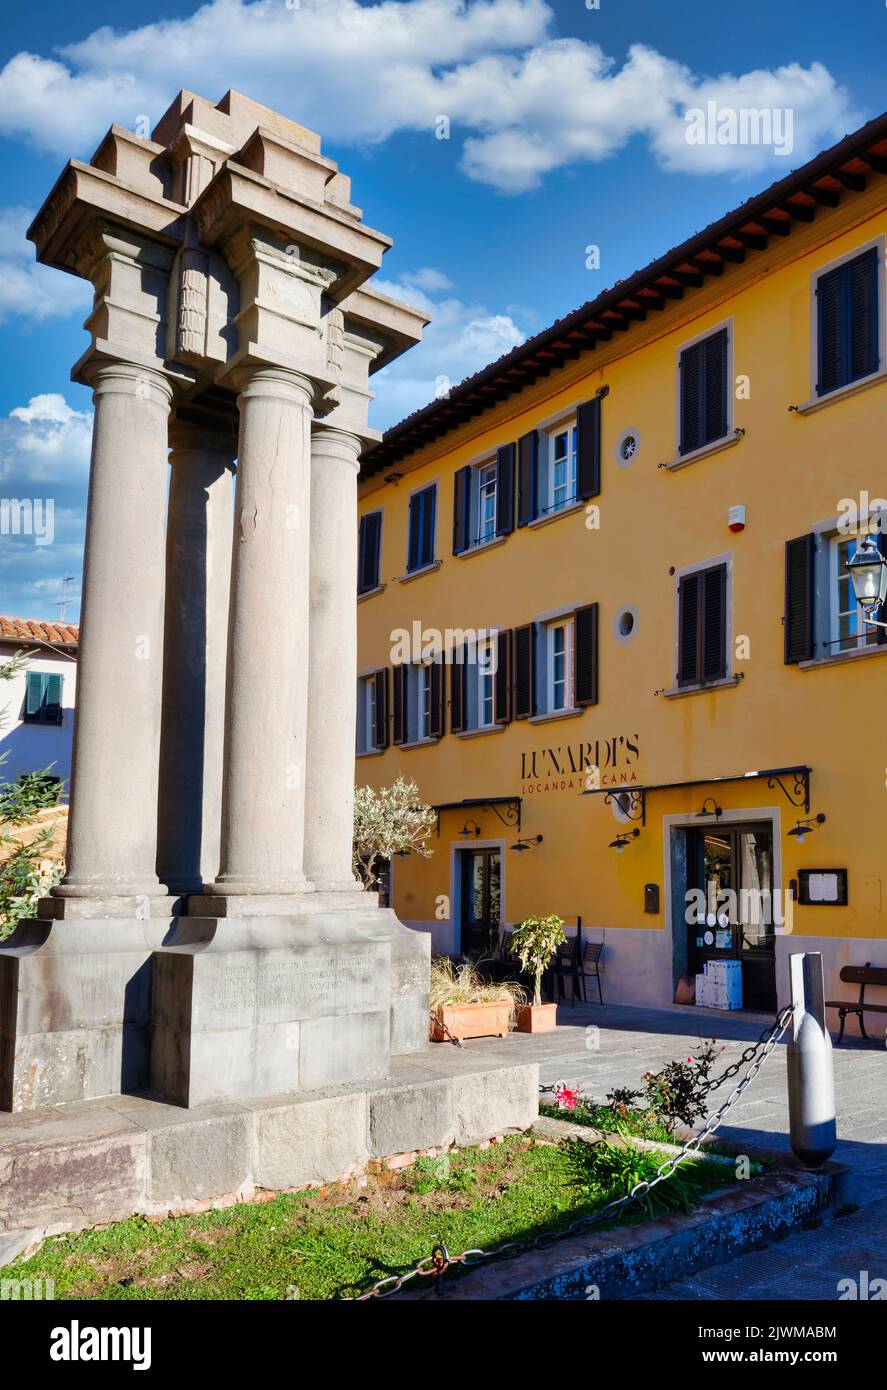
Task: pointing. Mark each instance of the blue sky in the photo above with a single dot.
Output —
(566, 129)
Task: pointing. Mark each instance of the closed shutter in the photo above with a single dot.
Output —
(381, 730)
(524, 682)
(716, 386)
(415, 532)
(502, 683)
(588, 449)
(863, 314)
(368, 552)
(505, 490)
(458, 685)
(427, 543)
(527, 477)
(35, 686)
(399, 704)
(52, 700)
(462, 510)
(832, 369)
(438, 701)
(799, 599)
(586, 658)
(688, 629)
(692, 369)
(714, 623)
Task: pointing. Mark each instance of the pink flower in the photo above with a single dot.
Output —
(566, 1099)
(692, 1059)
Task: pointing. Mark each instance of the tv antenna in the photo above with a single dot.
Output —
(62, 603)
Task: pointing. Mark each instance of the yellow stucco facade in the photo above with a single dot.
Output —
(626, 550)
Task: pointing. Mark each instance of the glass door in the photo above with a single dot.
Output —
(481, 883)
(733, 867)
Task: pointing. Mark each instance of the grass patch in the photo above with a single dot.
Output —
(641, 1124)
(335, 1241)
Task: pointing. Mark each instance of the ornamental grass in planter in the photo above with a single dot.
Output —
(464, 1006)
(535, 942)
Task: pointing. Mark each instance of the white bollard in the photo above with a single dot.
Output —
(811, 1081)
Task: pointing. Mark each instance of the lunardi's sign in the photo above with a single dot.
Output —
(581, 767)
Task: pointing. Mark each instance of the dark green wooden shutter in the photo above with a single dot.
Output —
(588, 449)
(862, 294)
(524, 677)
(586, 662)
(381, 730)
(458, 673)
(399, 704)
(414, 540)
(527, 477)
(52, 699)
(462, 510)
(832, 369)
(692, 370)
(502, 680)
(438, 700)
(799, 599)
(35, 687)
(688, 630)
(716, 386)
(505, 490)
(714, 623)
(368, 552)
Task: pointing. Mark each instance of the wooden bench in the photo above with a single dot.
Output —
(861, 975)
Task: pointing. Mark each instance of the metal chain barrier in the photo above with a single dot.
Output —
(440, 1260)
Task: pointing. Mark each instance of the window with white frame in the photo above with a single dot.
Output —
(561, 468)
(366, 713)
(423, 696)
(486, 503)
(558, 654)
(485, 684)
(847, 629)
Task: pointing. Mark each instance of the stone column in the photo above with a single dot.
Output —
(263, 803)
(198, 581)
(112, 836)
(332, 702)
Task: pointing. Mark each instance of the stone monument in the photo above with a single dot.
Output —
(209, 940)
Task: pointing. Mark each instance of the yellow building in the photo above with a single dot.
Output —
(626, 543)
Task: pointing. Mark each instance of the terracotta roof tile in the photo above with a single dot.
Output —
(23, 629)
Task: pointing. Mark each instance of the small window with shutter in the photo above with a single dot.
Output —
(43, 698)
(847, 322)
(372, 712)
(704, 394)
(702, 626)
(369, 552)
(420, 543)
(483, 501)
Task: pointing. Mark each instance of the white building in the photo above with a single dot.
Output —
(37, 706)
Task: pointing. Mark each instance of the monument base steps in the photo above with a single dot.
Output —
(69, 1167)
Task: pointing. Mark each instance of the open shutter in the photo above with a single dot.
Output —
(368, 552)
(523, 686)
(862, 292)
(438, 701)
(52, 699)
(588, 449)
(714, 623)
(381, 730)
(586, 660)
(527, 477)
(502, 681)
(458, 684)
(415, 539)
(427, 540)
(35, 685)
(505, 490)
(398, 704)
(692, 371)
(829, 294)
(715, 386)
(799, 600)
(462, 510)
(688, 630)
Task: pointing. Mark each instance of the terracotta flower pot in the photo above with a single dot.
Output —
(472, 1021)
(537, 1018)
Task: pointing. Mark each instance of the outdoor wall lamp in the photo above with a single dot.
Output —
(470, 828)
(711, 808)
(523, 845)
(622, 840)
(868, 575)
(803, 827)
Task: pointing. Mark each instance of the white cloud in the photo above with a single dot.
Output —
(45, 440)
(29, 290)
(460, 339)
(524, 100)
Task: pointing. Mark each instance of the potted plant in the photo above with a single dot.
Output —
(534, 942)
(464, 1006)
